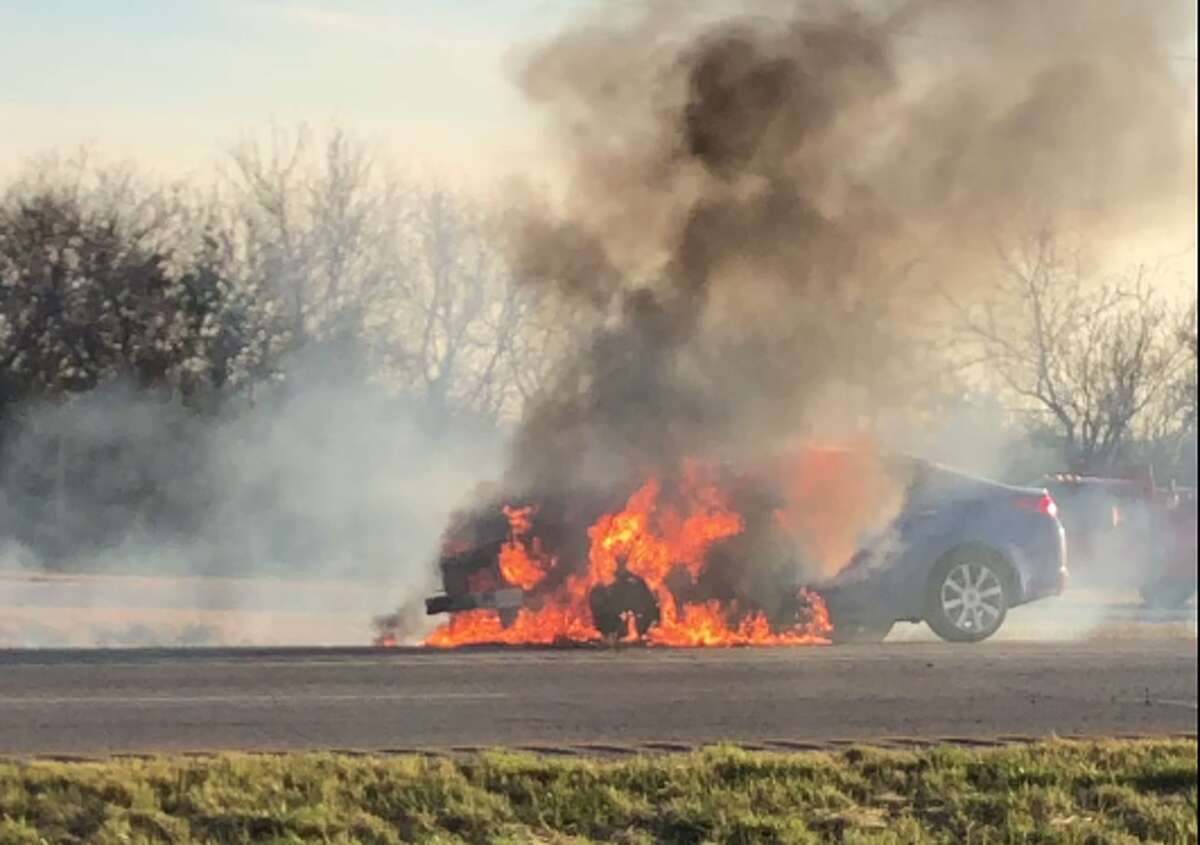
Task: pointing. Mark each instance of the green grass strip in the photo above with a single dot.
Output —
(1085, 792)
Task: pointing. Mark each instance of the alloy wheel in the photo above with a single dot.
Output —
(972, 598)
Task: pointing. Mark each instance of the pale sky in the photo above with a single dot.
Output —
(172, 83)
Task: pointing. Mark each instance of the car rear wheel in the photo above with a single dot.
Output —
(967, 599)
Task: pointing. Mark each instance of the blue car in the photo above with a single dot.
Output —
(961, 553)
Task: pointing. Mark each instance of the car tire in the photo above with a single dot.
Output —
(968, 595)
(859, 633)
(628, 594)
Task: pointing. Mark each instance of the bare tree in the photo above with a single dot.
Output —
(1092, 356)
(413, 277)
(1169, 429)
(459, 313)
(536, 352)
(1182, 400)
(308, 219)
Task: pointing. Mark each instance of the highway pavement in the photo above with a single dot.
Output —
(95, 702)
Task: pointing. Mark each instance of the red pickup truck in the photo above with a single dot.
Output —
(1130, 533)
(1173, 582)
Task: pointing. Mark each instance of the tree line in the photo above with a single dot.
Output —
(142, 322)
(299, 244)
(202, 298)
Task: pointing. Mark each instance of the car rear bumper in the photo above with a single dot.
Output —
(1041, 564)
(496, 600)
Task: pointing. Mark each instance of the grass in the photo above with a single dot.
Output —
(1094, 792)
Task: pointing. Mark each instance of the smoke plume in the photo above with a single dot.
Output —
(759, 211)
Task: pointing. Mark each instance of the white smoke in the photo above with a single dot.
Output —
(295, 521)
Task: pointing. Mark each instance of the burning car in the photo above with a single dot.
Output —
(825, 543)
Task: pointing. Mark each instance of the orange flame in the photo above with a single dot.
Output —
(708, 624)
(549, 625)
(833, 494)
(519, 565)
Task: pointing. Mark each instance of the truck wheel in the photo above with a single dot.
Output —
(1166, 595)
(967, 597)
(626, 595)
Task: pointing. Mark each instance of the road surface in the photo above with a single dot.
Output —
(98, 702)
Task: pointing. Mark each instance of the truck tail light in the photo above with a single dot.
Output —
(1043, 504)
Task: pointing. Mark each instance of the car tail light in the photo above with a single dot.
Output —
(1043, 504)
(1116, 517)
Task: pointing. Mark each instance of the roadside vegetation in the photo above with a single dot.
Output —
(176, 356)
(1129, 791)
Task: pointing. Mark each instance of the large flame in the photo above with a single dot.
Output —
(521, 565)
(835, 494)
(652, 539)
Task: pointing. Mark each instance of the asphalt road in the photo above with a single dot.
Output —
(96, 702)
